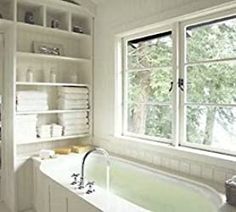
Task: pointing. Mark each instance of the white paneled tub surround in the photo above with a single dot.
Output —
(133, 188)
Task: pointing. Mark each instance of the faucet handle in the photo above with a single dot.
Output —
(75, 176)
(90, 187)
(90, 183)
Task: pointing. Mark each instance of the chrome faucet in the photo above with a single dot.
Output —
(82, 176)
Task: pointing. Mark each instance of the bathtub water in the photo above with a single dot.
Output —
(154, 191)
(149, 189)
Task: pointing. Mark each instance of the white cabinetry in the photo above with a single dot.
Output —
(52, 28)
(64, 28)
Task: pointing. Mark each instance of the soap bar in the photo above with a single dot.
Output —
(46, 154)
(81, 148)
(63, 151)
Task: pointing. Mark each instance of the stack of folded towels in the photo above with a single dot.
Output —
(26, 127)
(56, 130)
(44, 131)
(49, 130)
(31, 101)
(74, 123)
(73, 98)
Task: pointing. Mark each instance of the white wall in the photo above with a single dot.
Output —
(115, 17)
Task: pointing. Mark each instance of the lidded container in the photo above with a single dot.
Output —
(230, 191)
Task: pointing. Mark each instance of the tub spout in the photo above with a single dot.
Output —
(107, 157)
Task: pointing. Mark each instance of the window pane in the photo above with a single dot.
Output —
(212, 126)
(149, 120)
(215, 40)
(149, 86)
(214, 83)
(151, 53)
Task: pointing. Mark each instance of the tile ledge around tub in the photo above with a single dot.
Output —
(198, 152)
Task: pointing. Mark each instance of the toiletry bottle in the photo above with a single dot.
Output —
(74, 78)
(53, 75)
(29, 75)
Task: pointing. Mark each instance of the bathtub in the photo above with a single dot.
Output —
(133, 188)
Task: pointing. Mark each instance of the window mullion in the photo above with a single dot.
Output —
(125, 89)
(182, 95)
(175, 94)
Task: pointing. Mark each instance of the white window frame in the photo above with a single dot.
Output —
(178, 67)
(183, 65)
(174, 66)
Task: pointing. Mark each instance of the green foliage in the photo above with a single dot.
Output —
(149, 99)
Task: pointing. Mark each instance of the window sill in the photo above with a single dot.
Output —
(198, 155)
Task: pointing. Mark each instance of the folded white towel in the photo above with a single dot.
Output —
(76, 127)
(26, 118)
(21, 135)
(77, 132)
(56, 127)
(64, 106)
(73, 96)
(44, 131)
(56, 130)
(72, 102)
(44, 135)
(73, 121)
(21, 95)
(31, 108)
(32, 102)
(71, 116)
(71, 90)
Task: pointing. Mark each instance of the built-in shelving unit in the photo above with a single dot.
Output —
(51, 112)
(49, 24)
(31, 24)
(51, 84)
(37, 140)
(50, 57)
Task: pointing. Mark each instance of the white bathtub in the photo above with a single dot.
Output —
(133, 188)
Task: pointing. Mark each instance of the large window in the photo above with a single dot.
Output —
(210, 73)
(204, 84)
(148, 77)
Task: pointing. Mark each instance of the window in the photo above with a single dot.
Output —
(210, 74)
(148, 76)
(203, 97)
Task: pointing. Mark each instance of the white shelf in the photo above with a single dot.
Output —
(5, 22)
(51, 84)
(51, 112)
(38, 140)
(48, 30)
(51, 57)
